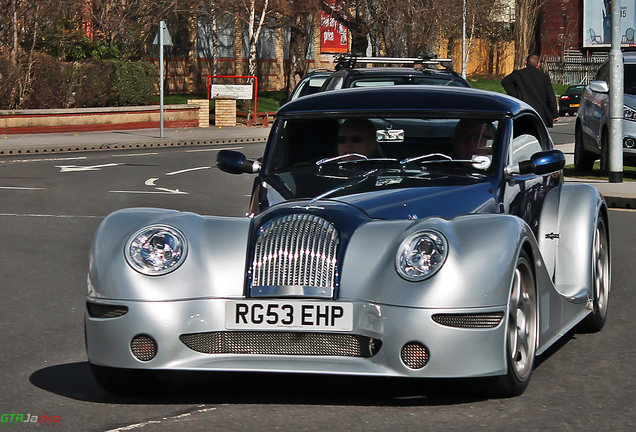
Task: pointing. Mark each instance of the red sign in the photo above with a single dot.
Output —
(333, 35)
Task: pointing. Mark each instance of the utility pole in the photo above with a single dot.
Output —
(615, 150)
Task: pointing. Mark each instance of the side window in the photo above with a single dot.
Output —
(603, 73)
(527, 139)
(334, 82)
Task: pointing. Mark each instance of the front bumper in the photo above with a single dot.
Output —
(453, 351)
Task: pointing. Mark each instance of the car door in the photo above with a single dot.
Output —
(598, 109)
(524, 194)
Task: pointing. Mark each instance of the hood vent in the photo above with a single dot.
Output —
(295, 256)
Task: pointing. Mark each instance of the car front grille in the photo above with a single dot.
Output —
(281, 343)
(297, 252)
(475, 321)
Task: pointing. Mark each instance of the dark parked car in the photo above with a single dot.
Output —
(403, 231)
(422, 71)
(570, 100)
(309, 84)
(591, 133)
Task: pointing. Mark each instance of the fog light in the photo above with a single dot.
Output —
(414, 355)
(629, 143)
(143, 347)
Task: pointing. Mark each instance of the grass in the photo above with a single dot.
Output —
(268, 101)
(495, 85)
(629, 173)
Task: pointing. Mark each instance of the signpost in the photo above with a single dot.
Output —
(615, 150)
(162, 38)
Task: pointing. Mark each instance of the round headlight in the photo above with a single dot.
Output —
(421, 255)
(156, 250)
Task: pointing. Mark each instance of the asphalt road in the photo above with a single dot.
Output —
(49, 210)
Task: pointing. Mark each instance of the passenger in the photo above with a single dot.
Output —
(358, 136)
(473, 137)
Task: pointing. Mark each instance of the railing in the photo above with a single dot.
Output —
(572, 69)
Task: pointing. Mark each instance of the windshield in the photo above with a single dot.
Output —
(387, 142)
(401, 80)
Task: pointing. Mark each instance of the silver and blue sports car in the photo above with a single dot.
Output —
(408, 231)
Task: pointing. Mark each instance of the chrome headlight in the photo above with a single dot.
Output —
(156, 250)
(629, 113)
(421, 255)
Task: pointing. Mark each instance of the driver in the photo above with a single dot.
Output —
(358, 135)
(473, 137)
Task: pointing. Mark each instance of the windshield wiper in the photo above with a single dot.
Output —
(352, 158)
(478, 162)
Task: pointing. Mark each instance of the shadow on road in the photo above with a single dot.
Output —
(74, 380)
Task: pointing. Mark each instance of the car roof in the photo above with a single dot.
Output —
(629, 57)
(437, 100)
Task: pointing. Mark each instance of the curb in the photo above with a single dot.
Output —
(57, 148)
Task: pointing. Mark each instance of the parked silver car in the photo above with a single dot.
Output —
(592, 123)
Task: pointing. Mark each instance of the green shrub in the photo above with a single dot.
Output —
(134, 82)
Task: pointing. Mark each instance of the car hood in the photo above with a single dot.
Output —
(398, 197)
(629, 100)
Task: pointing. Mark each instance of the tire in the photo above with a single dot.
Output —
(583, 159)
(601, 279)
(128, 382)
(521, 330)
(604, 153)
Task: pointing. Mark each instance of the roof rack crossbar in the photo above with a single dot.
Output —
(349, 60)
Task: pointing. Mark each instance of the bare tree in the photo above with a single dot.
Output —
(297, 18)
(526, 17)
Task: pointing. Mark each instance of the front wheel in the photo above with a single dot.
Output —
(601, 279)
(521, 334)
(583, 159)
(605, 153)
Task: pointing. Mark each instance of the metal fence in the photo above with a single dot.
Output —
(572, 69)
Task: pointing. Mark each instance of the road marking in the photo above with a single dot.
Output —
(163, 420)
(50, 216)
(21, 188)
(43, 160)
(136, 154)
(158, 191)
(187, 170)
(151, 181)
(76, 168)
(213, 149)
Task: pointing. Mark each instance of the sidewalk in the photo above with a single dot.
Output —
(117, 139)
(618, 195)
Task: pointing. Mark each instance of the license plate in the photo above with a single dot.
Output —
(575, 105)
(278, 315)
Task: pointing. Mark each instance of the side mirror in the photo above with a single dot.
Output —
(540, 163)
(234, 162)
(599, 87)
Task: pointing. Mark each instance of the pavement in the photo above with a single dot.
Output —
(617, 195)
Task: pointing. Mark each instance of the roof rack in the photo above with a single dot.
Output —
(350, 61)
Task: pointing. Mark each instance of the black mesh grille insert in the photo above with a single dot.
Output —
(99, 310)
(281, 343)
(483, 321)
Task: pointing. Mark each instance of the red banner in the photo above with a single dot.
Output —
(333, 35)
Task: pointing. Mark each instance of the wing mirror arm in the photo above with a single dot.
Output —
(234, 162)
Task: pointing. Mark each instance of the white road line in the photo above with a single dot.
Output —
(213, 149)
(50, 216)
(75, 168)
(42, 160)
(151, 181)
(163, 419)
(136, 154)
(158, 191)
(187, 170)
(21, 188)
